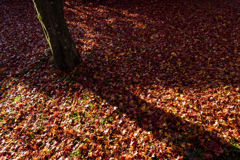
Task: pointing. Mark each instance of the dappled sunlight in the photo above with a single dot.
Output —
(158, 80)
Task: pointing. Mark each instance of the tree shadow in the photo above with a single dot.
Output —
(189, 62)
(117, 90)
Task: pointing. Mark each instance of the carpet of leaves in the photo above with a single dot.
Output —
(159, 80)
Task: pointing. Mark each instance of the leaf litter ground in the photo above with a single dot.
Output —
(159, 80)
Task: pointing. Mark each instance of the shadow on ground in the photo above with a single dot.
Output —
(160, 54)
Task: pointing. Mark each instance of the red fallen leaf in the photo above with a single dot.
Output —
(77, 94)
(70, 131)
(97, 122)
(20, 105)
(55, 114)
(123, 157)
(17, 108)
(67, 151)
(35, 147)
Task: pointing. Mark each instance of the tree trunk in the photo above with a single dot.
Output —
(51, 16)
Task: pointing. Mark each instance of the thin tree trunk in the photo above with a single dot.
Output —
(51, 16)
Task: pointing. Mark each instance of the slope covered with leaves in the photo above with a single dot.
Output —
(159, 80)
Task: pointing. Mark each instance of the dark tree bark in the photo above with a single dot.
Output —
(51, 16)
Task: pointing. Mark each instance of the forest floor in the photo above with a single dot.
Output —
(159, 80)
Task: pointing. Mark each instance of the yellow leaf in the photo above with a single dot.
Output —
(45, 150)
(174, 110)
(227, 87)
(166, 134)
(52, 130)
